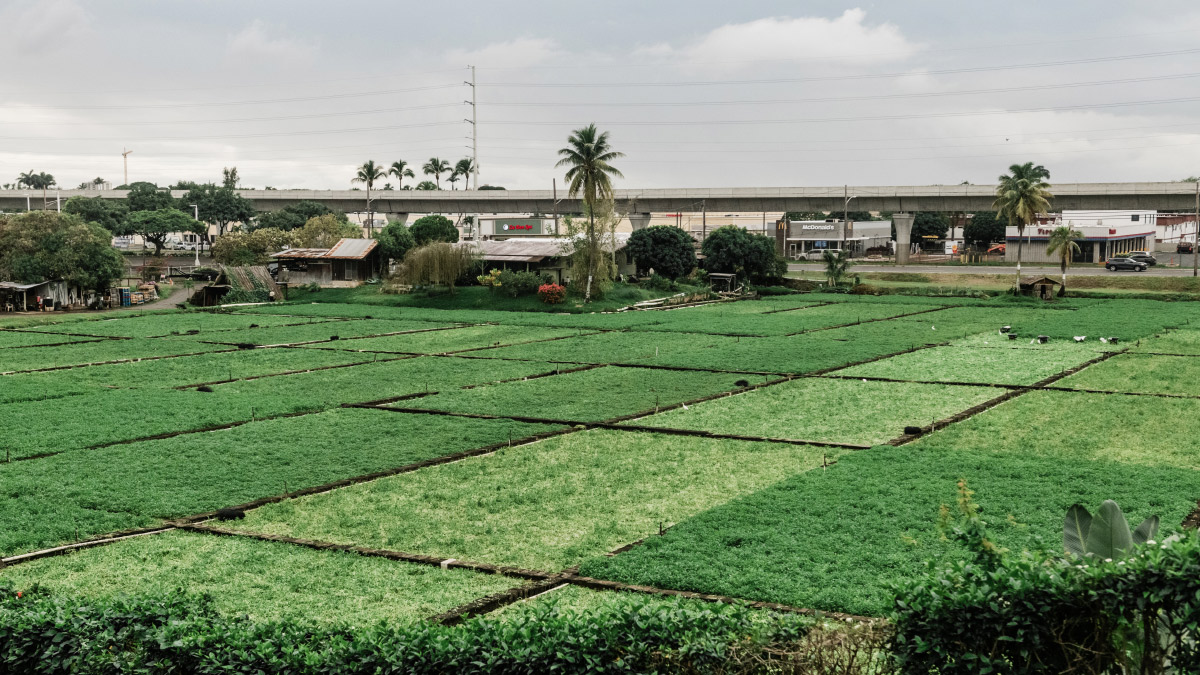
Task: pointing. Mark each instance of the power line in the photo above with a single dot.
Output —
(293, 99)
(826, 78)
(275, 118)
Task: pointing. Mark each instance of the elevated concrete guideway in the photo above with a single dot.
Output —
(1075, 196)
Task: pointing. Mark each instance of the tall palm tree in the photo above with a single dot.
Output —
(1062, 241)
(26, 179)
(465, 167)
(588, 154)
(368, 173)
(436, 167)
(401, 171)
(453, 178)
(1021, 194)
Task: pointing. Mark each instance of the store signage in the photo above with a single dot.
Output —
(517, 227)
(817, 226)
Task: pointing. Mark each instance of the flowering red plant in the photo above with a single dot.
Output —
(552, 294)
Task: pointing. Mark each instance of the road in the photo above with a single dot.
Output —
(1184, 270)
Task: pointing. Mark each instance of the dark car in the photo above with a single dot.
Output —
(1143, 257)
(1184, 247)
(1115, 264)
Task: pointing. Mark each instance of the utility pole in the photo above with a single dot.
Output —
(474, 126)
(703, 220)
(125, 158)
(845, 214)
(554, 199)
(1196, 235)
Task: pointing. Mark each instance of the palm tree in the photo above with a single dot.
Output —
(1062, 240)
(453, 178)
(26, 179)
(368, 173)
(590, 174)
(465, 167)
(836, 265)
(401, 171)
(436, 167)
(1020, 196)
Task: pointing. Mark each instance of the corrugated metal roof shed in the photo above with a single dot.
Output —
(352, 249)
(12, 285)
(302, 253)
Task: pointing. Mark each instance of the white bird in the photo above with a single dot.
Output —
(1034, 340)
(933, 327)
(1080, 338)
(685, 406)
(1104, 340)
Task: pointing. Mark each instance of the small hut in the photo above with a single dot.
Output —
(1039, 287)
(245, 279)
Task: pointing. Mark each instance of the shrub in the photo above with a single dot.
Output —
(519, 283)
(552, 294)
(658, 282)
(667, 250)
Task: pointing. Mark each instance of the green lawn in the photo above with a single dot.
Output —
(837, 539)
(35, 358)
(154, 325)
(544, 506)
(264, 580)
(311, 332)
(45, 500)
(591, 395)
(12, 338)
(1182, 341)
(993, 362)
(441, 341)
(843, 411)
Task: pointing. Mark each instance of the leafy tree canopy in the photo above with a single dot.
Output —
(219, 206)
(733, 249)
(45, 245)
(106, 213)
(395, 241)
(428, 229)
(668, 250)
(427, 185)
(154, 226)
(984, 228)
(490, 187)
(294, 216)
(251, 248)
(148, 197)
(325, 231)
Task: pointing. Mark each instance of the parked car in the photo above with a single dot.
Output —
(818, 254)
(1184, 247)
(1115, 264)
(1142, 256)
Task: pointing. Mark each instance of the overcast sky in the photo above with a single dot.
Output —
(703, 93)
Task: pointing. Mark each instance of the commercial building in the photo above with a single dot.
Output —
(796, 238)
(1105, 234)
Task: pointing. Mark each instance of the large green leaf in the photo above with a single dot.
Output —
(1146, 531)
(1109, 536)
(1075, 530)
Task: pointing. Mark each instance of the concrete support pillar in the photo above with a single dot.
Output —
(639, 220)
(401, 218)
(903, 223)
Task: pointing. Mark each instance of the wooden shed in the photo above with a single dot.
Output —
(349, 263)
(1039, 287)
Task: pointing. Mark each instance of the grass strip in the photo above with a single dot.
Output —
(48, 501)
(439, 342)
(842, 411)
(954, 363)
(1137, 373)
(546, 505)
(98, 352)
(156, 325)
(836, 539)
(265, 580)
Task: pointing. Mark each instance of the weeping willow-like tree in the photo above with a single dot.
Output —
(436, 264)
(588, 157)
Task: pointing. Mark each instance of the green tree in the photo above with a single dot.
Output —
(155, 226)
(836, 266)
(251, 248)
(427, 185)
(294, 216)
(731, 249)
(453, 178)
(325, 231)
(1021, 194)
(46, 245)
(437, 264)
(37, 181)
(395, 241)
(230, 178)
(589, 156)
(220, 206)
(400, 170)
(436, 167)
(465, 167)
(1063, 241)
(490, 187)
(144, 196)
(983, 228)
(368, 173)
(669, 250)
(431, 228)
(106, 213)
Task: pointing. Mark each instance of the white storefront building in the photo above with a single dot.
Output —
(1105, 234)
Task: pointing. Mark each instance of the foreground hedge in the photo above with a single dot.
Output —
(1027, 614)
(181, 633)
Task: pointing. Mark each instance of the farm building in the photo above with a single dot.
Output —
(543, 254)
(349, 263)
(16, 297)
(247, 280)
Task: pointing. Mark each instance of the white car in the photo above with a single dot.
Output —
(819, 253)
